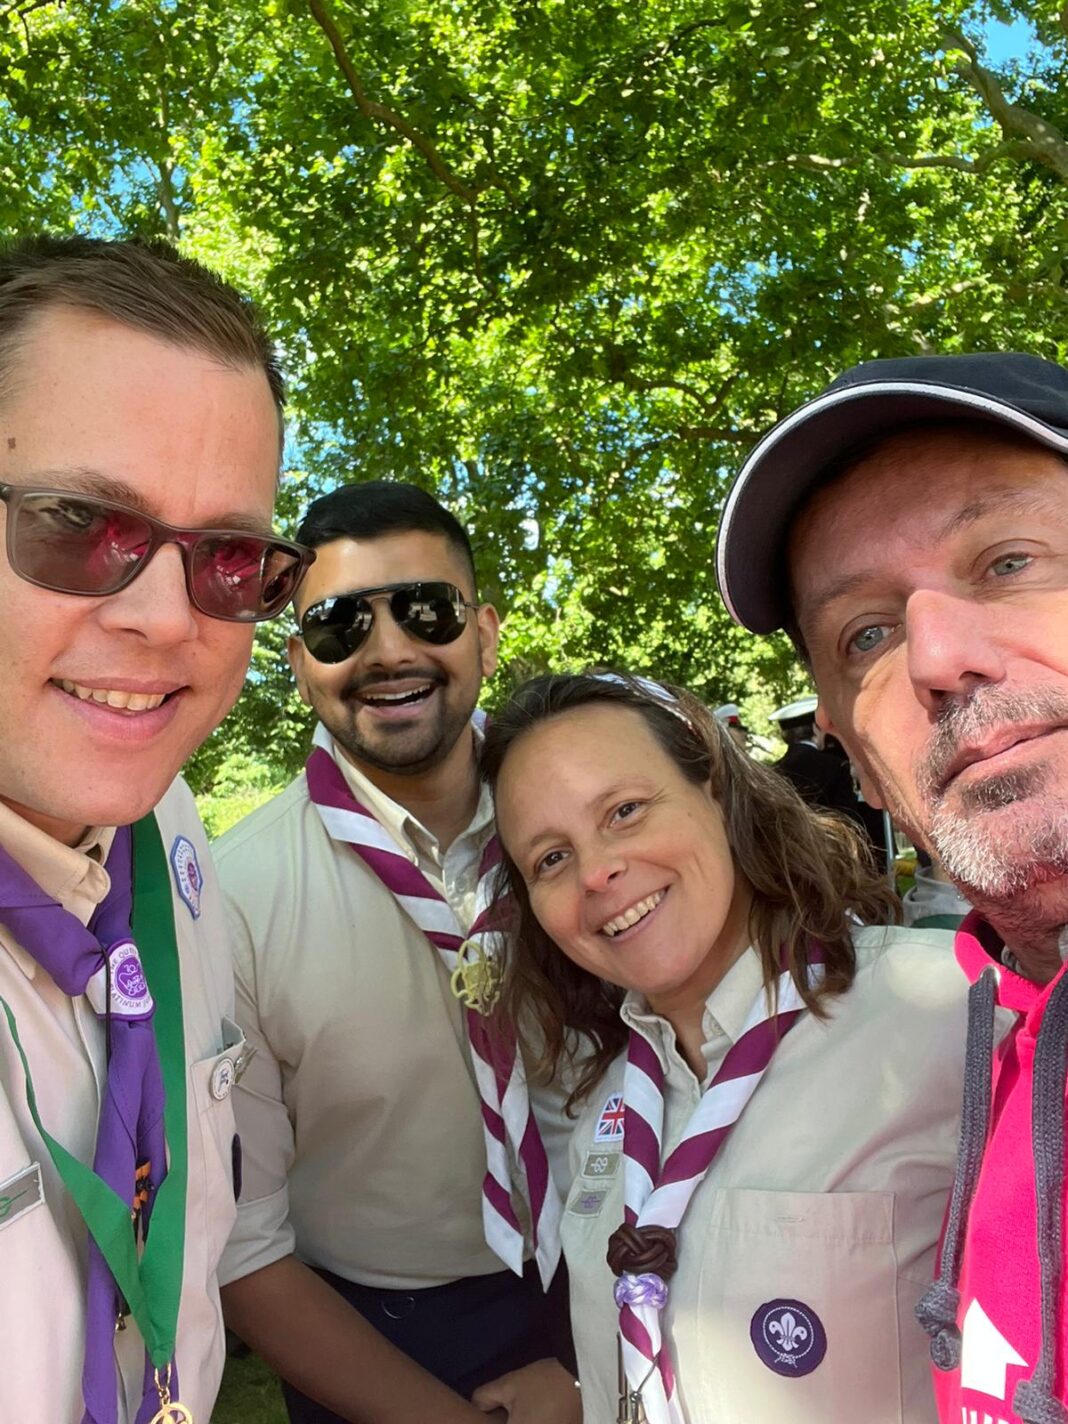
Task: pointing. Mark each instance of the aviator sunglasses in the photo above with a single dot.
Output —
(334, 628)
(76, 543)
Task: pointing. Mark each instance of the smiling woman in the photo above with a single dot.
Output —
(766, 1101)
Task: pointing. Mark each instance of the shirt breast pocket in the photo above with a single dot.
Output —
(798, 1312)
(214, 1165)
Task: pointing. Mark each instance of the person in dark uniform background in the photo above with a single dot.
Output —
(819, 769)
(821, 778)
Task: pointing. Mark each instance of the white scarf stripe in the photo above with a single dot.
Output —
(657, 1403)
(348, 826)
(434, 916)
(501, 1239)
(637, 1183)
(646, 1098)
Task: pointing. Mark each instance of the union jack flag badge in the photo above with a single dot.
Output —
(610, 1123)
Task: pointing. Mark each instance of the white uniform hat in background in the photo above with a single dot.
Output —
(803, 710)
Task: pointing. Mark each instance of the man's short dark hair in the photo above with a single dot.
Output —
(145, 285)
(798, 732)
(379, 507)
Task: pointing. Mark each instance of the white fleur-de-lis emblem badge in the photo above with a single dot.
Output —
(788, 1336)
(789, 1331)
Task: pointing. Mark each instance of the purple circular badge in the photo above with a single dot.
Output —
(130, 977)
(789, 1337)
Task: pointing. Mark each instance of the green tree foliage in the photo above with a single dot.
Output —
(562, 262)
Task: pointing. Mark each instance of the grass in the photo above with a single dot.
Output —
(249, 1394)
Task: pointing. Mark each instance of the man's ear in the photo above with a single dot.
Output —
(868, 788)
(296, 653)
(489, 636)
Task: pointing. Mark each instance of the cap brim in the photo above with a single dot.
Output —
(788, 462)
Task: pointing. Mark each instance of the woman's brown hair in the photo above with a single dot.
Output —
(811, 875)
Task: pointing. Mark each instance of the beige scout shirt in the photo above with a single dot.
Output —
(43, 1242)
(829, 1191)
(359, 1114)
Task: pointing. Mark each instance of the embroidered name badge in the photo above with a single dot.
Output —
(187, 874)
(19, 1193)
(601, 1164)
(130, 997)
(789, 1337)
(610, 1123)
(588, 1203)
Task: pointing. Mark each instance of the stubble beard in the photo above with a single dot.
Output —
(1003, 835)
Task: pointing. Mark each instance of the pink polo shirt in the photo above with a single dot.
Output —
(1000, 1293)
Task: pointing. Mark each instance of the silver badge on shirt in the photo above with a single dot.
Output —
(19, 1193)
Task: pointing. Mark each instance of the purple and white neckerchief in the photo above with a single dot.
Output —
(656, 1195)
(130, 1125)
(507, 1119)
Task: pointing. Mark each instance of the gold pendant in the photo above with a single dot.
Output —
(170, 1411)
(476, 980)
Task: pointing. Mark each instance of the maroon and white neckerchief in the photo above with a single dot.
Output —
(658, 1195)
(507, 1119)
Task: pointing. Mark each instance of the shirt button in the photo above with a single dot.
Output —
(398, 1307)
(222, 1079)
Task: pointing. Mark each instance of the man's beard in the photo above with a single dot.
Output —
(401, 748)
(991, 850)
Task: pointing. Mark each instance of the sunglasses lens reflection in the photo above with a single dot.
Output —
(429, 611)
(75, 544)
(335, 628)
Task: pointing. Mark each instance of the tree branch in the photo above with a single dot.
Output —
(168, 201)
(666, 383)
(20, 9)
(1035, 137)
(714, 432)
(380, 113)
(818, 163)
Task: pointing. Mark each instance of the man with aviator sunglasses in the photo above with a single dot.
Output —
(370, 1191)
(140, 421)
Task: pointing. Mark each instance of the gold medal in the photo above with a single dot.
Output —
(170, 1411)
(476, 980)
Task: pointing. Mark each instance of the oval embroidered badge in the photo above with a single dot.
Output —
(789, 1337)
(187, 874)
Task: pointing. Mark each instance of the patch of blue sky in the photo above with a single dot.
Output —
(1004, 42)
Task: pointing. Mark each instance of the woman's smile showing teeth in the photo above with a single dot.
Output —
(629, 918)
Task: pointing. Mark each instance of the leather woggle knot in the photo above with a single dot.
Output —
(643, 1248)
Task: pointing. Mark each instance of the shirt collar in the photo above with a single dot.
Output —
(727, 1008)
(72, 875)
(978, 946)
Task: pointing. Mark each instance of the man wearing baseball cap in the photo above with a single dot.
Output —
(909, 528)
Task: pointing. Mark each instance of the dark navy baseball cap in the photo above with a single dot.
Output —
(877, 398)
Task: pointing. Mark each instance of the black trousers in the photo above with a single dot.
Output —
(465, 1333)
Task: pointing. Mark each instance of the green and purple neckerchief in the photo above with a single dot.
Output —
(134, 983)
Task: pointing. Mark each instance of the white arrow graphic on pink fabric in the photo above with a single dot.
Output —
(986, 1355)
